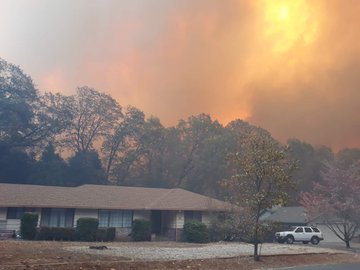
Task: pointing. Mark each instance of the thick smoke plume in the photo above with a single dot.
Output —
(290, 66)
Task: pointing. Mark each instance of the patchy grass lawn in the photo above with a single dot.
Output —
(54, 255)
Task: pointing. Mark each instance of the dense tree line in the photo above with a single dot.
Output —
(88, 138)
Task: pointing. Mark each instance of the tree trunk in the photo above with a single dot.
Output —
(256, 235)
(347, 243)
(256, 255)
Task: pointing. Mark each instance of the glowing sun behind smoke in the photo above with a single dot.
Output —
(283, 13)
(288, 22)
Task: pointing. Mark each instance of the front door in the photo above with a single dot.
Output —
(156, 221)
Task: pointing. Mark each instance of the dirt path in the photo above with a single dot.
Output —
(58, 255)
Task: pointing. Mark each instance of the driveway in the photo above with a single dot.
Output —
(324, 267)
(355, 247)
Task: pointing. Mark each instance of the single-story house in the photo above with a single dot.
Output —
(113, 206)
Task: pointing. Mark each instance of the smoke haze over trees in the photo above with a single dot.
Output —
(88, 138)
(274, 63)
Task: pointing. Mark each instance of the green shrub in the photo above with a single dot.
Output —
(105, 234)
(45, 233)
(28, 226)
(222, 230)
(71, 234)
(86, 229)
(58, 234)
(141, 230)
(196, 232)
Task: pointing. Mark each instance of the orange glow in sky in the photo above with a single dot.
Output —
(289, 66)
(287, 22)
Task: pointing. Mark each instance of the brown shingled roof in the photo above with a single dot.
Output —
(106, 197)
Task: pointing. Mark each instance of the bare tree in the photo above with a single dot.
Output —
(94, 116)
(336, 200)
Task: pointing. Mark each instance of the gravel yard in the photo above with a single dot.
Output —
(45, 255)
(217, 250)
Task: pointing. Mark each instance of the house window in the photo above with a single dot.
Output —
(115, 218)
(57, 217)
(17, 212)
(192, 215)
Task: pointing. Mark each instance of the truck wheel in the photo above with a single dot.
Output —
(305, 242)
(290, 239)
(315, 240)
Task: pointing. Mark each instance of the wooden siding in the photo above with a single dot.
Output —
(13, 224)
(179, 221)
(3, 211)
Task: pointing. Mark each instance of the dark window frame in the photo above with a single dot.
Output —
(192, 215)
(46, 214)
(18, 212)
(108, 213)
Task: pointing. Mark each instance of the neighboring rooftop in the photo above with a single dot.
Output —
(106, 197)
(289, 214)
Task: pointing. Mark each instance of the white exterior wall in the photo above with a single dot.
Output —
(38, 211)
(142, 214)
(2, 224)
(179, 220)
(85, 213)
(3, 211)
(13, 224)
(206, 218)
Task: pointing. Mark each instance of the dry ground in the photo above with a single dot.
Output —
(53, 255)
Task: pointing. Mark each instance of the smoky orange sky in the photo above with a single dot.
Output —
(290, 66)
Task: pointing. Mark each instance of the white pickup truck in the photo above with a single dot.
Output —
(303, 234)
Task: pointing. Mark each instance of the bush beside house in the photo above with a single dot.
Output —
(28, 226)
(86, 229)
(222, 230)
(196, 232)
(141, 230)
(57, 234)
(71, 234)
(105, 234)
